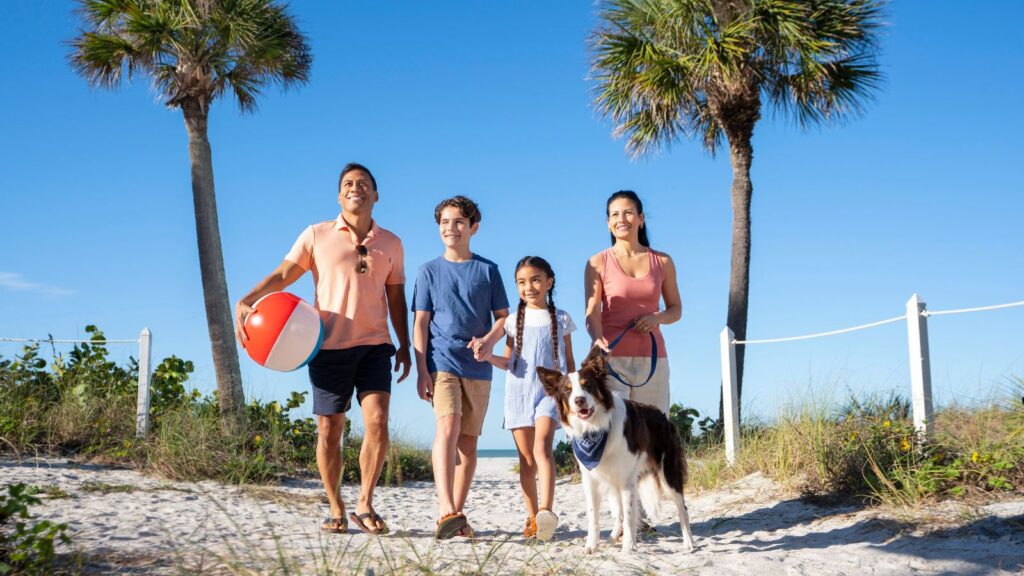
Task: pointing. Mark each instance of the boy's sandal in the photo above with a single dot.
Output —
(545, 525)
(531, 527)
(451, 525)
(334, 526)
(369, 522)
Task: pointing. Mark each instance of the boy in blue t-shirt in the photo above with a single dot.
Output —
(454, 301)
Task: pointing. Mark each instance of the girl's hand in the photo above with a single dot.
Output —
(481, 352)
(601, 343)
(646, 323)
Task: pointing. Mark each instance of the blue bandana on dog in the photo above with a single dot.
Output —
(589, 447)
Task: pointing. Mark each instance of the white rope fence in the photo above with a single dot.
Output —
(820, 334)
(978, 309)
(55, 341)
(916, 317)
(145, 342)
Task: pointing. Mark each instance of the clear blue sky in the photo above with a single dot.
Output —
(492, 100)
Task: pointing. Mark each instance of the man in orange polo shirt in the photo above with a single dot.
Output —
(359, 275)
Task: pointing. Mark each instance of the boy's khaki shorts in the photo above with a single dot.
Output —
(463, 396)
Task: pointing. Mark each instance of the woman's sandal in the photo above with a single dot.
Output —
(545, 524)
(334, 526)
(451, 525)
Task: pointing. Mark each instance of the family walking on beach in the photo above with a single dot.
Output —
(461, 311)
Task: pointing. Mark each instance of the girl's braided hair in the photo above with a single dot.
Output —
(542, 265)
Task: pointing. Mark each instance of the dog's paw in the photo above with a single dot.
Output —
(628, 547)
(591, 545)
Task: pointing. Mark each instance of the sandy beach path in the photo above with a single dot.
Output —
(123, 521)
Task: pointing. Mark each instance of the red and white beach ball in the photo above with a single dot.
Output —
(284, 332)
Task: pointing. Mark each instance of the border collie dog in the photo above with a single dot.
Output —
(627, 450)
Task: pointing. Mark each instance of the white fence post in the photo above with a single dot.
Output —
(145, 361)
(730, 401)
(920, 366)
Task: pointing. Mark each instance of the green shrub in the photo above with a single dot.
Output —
(565, 461)
(84, 404)
(26, 547)
(683, 418)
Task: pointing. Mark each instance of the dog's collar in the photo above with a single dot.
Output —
(589, 448)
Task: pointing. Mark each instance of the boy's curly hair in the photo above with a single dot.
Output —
(468, 208)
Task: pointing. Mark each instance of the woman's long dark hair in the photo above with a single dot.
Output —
(632, 197)
(542, 265)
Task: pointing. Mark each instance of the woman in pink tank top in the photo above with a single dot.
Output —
(625, 285)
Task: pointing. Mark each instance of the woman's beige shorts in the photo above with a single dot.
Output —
(634, 369)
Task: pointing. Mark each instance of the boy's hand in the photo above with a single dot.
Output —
(481, 351)
(425, 386)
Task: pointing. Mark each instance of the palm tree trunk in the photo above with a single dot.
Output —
(741, 154)
(219, 319)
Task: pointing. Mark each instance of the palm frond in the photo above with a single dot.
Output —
(669, 68)
(652, 93)
(826, 91)
(192, 49)
(104, 58)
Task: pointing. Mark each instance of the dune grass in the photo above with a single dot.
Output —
(868, 449)
(83, 405)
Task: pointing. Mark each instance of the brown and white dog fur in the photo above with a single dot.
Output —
(643, 458)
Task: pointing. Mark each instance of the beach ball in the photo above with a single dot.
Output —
(284, 332)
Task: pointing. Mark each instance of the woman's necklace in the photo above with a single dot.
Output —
(626, 253)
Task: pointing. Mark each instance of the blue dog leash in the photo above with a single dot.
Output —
(654, 357)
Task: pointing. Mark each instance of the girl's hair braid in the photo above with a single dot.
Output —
(520, 317)
(542, 264)
(554, 321)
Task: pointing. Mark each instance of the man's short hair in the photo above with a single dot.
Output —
(356, 166)
(468, 208)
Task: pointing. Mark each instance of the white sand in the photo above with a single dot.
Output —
(752, 528)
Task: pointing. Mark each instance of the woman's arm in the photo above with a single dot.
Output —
(593, 291)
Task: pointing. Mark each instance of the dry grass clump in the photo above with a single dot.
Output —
(868, 449)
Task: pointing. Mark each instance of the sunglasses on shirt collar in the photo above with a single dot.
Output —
(362, 267)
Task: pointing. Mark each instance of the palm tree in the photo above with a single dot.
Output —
(196, 51)
(702, 69)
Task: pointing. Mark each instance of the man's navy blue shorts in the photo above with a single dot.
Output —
(336, 374)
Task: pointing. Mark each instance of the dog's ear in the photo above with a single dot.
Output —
(596, 362)
(551, 380)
